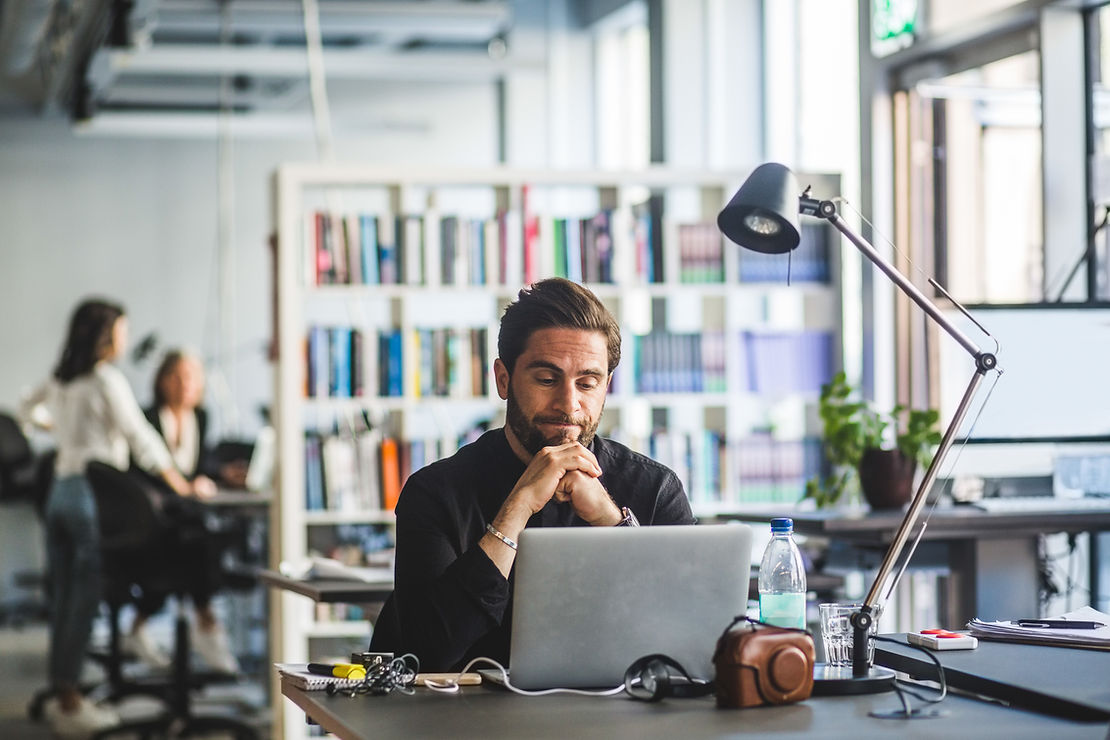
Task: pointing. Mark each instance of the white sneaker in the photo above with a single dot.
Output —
(88, 719)
(213, 646)
(141, 644)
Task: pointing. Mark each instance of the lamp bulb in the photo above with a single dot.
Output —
(761, 224)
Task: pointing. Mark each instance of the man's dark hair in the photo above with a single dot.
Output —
(90, 334)
(555, 303)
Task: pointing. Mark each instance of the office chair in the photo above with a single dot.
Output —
(131, 524)
(24, 479)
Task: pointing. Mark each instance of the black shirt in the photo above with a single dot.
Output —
(452, 602)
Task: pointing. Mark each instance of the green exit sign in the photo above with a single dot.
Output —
(892, 19)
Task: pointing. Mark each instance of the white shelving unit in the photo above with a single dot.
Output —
(730, 307)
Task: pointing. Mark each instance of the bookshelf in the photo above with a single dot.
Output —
(389, 288)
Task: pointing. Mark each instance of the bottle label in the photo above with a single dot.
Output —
(783, 610)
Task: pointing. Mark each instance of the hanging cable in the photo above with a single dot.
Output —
(317, 87)
(225, 365)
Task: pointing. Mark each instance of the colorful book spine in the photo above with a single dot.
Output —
(368, 249)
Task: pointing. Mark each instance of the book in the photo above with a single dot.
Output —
(368, 252)
(339, 352)
(391, 473)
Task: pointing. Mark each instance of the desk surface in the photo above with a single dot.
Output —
(1072, 682)
(356, 592)
(945, 523)
(238, 497)
(485, 712)
(329, 591)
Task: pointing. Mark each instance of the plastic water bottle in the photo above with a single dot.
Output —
(782, 579)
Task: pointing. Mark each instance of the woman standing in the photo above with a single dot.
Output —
(93, 414)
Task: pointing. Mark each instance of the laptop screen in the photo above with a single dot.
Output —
(588, 601)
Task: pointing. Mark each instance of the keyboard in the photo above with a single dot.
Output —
(1034, 504)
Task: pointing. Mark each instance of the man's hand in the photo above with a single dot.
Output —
(536, 487)
(542, 477)
(589, 498)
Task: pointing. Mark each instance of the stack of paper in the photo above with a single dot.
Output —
(328, 569)
(1013, 632)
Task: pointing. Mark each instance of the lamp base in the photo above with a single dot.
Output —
(833, 680)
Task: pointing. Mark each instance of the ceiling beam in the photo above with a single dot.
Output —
(440, 20)
(190, 60)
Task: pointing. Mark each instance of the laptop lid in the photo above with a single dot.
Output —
(588, 601)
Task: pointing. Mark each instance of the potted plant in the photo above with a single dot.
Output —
(857, 444)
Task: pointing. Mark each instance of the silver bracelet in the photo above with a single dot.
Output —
(493, 530)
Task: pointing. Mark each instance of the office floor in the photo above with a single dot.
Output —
(23, 661)
(24, 672)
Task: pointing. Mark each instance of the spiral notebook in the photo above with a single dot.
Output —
(296, 674)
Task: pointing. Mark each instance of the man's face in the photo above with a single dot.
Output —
(557, 390)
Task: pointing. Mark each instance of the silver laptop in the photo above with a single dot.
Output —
(589, 601)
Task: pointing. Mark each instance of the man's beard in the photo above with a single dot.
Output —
(529, 435)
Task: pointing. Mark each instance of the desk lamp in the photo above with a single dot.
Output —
(763, 216)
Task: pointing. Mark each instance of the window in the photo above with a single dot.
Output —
(622, 89)
(984, 148)
(1100, 98)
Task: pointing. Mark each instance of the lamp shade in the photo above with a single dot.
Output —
(763, 215)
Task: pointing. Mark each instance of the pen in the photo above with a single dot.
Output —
(1060, 624)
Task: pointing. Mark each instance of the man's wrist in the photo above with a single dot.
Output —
(628, 519)
(611, 518)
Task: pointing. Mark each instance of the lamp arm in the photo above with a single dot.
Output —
(917, 503)
(984, 361)
(827, 210)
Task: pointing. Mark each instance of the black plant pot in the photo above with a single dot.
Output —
(886, 478)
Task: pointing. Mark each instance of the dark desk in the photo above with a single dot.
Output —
(992, 556)
(1068, 682)
(484, 712)
(336, 591)
(238, 498)
(357, 592)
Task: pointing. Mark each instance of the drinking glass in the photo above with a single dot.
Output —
(836, 633)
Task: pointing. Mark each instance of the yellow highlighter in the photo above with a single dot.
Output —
(338, 670)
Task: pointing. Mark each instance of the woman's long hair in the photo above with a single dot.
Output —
(89, 337)
(169, 364)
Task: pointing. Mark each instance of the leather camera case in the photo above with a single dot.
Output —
(762, 664)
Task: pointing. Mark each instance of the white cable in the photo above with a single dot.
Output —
(451, 686)
(314, 50)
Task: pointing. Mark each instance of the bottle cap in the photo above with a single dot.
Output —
(782, 524)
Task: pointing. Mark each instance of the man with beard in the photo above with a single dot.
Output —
(458, 519)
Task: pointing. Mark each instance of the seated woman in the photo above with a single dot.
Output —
(179, 418)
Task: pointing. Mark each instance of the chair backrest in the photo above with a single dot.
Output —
(128, 507)
(24, 475)
(15, 455)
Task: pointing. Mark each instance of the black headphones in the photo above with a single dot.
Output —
(654, 677)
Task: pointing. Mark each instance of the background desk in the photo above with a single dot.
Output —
(237, 498)
(484, 712)
(330, 591)
(359, 592)
(992, 557)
